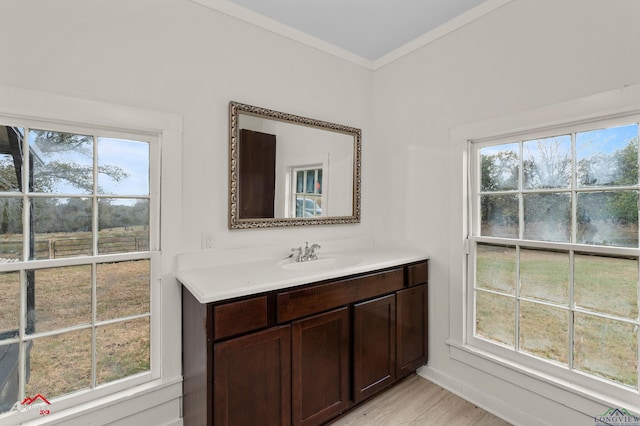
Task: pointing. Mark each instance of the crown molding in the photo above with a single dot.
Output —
(241, 13)
(448, 27)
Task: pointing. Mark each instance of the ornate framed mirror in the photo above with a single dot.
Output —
(288, 170)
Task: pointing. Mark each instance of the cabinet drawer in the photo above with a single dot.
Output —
(240, 317)
(308, 301)
(417, 274)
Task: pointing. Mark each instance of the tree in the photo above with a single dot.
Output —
(626, 160)
(51, 170)
(549, 166)
(500, 171)
(625, 203)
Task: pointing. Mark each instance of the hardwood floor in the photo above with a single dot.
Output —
(416, 401)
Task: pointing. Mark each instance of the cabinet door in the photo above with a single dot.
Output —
(252, 382)
(320, 367)
(411, 329)
(374, 348)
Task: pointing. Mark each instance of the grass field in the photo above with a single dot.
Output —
(605, 346)
(63, 362)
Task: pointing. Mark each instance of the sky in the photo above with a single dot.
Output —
(131, 156)
(588, 143)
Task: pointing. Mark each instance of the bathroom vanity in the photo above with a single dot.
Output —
(268, 343)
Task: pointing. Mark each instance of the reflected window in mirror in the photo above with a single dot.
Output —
(307, 192)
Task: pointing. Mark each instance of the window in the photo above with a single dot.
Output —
(554, 250)
(78, 246)
(308, 192)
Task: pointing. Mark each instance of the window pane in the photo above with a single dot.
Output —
(496, 268)
(500, 166)
(311, 182)
(122, 289)
(547, 162)
(499, 216)
(300, 182)
(495, 316)
(547, 217)
(123, 167)
(8, 176)
(63, 297)
(299, 207)
(608, 218)
(606, 348)
(544, 275)
(318, 205)
(9, 365)
(123, 225)
(9, 307)
(10, 228)
(60, 364)
(319, 183)
(63, 227)
(10, 158)
(608, 156)
(544, 331)
(62, 162)
(122, 349)
(607, 284)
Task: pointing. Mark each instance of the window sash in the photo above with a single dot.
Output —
(513, 354)
(152, 254)
(318, 197)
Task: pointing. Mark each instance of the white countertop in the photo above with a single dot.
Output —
(210, 281)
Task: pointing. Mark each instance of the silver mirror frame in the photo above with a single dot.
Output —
(235, 109)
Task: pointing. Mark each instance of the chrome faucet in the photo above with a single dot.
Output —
(308, 254)
(299, 257)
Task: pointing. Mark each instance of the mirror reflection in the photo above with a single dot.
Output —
(287, 170)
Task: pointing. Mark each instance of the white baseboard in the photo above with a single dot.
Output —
(482, 399)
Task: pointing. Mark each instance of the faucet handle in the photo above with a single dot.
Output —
(299, 256)
(312, 251)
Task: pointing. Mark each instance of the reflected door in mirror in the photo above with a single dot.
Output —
(257, 177)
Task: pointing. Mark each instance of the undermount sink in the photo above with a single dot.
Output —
(323, 263)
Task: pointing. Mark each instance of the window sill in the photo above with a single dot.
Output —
(107, 409)
(570, 394)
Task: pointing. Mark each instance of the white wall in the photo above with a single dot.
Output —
(180, 57)
(524, 55)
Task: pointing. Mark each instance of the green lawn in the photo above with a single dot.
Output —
(602, 346)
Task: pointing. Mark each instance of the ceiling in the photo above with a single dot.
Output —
(369, 29)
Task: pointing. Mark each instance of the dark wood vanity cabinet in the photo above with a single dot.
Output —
(374, 346)
(320, 367)
(252, 376)
(411, 330)
(302, 355)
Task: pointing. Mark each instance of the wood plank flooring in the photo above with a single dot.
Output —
(416, 401)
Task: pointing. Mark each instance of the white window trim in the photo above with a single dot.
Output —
(624, 101)
(293, 170)
(163, 384)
